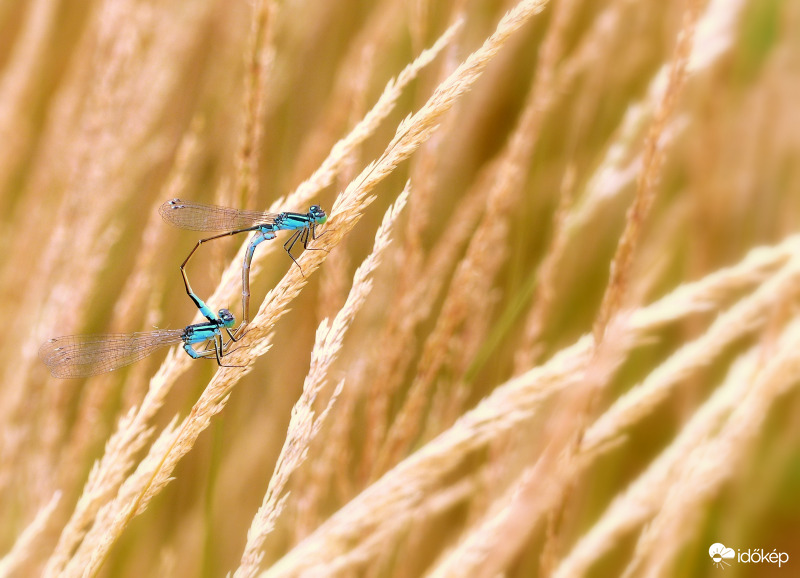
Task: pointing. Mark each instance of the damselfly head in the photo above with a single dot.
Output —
(170, 205)
(227, 318)
(317, 214)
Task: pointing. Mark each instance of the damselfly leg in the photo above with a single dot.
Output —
(303, 235)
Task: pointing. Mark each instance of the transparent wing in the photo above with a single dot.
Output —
(200, 217)
(85, 355)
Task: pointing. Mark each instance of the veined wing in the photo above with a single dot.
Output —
(85, 355)
(200, 217)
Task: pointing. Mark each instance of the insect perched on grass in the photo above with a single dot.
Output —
(85, 355)
(201, 217)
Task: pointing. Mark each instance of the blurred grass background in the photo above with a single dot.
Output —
(107, 109)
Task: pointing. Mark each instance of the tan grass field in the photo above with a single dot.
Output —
(554, 331)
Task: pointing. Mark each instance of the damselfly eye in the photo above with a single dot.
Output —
(319, 215)
(226, 317)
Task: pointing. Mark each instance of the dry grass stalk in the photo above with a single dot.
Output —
(416, 304)
(384, 22)
(133, 433)
(21, 552)
(424, 169)
(651, 267)
(401, 562)
(510, 192)
(652, 159)
(87, 559)
(105, 479)
(52, 307)
(746, 316)
(96, 399)
(303, 426)
(302, 430)
(342, 150)
(18, 87)
(416, 129)
(480, 546)
(614, 173)
(416, 289)
(335, 281)
(381, 511)
(134, 302)
(530, 350)
(398, 493)
(714, 35)
(328, 467)
(418, 20)
(711, 463)
(260, 58)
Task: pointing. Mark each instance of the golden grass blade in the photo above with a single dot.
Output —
(259, 61)
(118, 97)
(18, 86)
(519, 513)
(714, 36)
(498, 539)
(529, 351)
(18, 556)
(303, 426)
(385, 21)
(652, 159)
(412, 307)
(85, 561)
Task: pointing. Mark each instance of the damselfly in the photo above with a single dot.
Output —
(201, 217)
(86, 355)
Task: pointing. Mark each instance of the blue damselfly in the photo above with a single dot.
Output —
(202, 217)
(86, 355)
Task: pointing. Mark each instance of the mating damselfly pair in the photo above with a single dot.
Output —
(86, 355)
